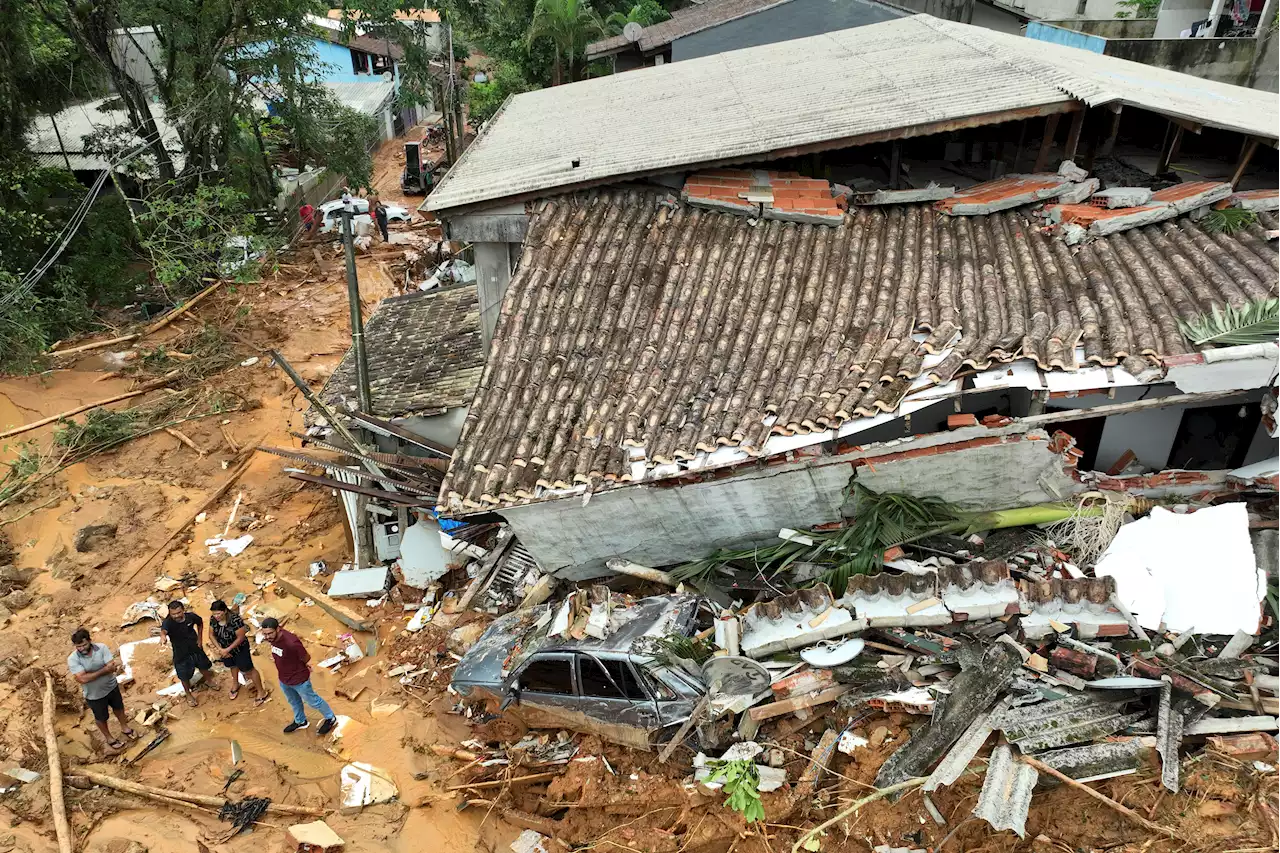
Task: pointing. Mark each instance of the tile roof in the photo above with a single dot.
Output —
(641, 332)
(368, 44)
(425, 354)
(684, 22)
(828, 91)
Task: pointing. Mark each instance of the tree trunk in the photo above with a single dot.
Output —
(65, 838)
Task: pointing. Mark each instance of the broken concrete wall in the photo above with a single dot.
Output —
(658, 525)
(1225, 60)
(974, 470)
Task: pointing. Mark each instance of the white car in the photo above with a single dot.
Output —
(331, 214)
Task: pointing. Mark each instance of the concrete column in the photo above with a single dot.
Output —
(493, 274)
(388, 124)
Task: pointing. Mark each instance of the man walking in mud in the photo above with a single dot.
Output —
(295, 677)
(185, 633)
(94, 667)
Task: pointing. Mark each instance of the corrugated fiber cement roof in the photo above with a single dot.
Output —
(849, 83)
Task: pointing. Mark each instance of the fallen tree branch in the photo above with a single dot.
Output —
(123, 339)
(142, 389)
(84, 781)
(55, 771)
(870, 798)
(191, 799)
(180, 436)
(532, 777)
(173, 315)
(1102, 798)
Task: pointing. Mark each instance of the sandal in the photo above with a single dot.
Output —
(191, 700)
(235, 691)
(129, 733)
(263, 698)
(115, 745)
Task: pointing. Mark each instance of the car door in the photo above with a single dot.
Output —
(615, 699)
(548, 691)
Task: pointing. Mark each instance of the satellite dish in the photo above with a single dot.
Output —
(481, 77)
(631, 32)
(734, 676)
(387, 76)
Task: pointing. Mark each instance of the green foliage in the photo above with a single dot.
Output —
(484, 99)
(1255, 323)
(1138, 8)
(1228, 220)
(100, 426)
(568, 26)
(645, 13)
(672, 648)
(741, 781)
(34, 54)
(35, 204)
(186, 234)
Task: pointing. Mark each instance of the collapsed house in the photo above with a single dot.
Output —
(690, 356)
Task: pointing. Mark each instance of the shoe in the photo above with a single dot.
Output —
(293, 727)
(327, 726)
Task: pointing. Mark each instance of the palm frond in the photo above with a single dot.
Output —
(1229, 220)
(1255, 323)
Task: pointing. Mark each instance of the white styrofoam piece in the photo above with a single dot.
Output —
(359, 583)
(1194, 571)
(422, 557)
(1227, 369)
(366, 785)
(1265, 468)
(127, 651)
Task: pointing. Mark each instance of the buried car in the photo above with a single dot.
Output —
(519, 675)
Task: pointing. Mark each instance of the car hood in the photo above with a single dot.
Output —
(482, 664)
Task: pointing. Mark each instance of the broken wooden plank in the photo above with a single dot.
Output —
(344, 615)
(787, 706)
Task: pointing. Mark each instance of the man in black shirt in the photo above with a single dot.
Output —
(185, 632)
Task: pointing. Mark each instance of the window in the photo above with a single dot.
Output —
(359, 62)
(596, 683)
(381, 64)
(548, 675)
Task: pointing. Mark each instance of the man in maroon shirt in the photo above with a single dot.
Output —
(295, 677)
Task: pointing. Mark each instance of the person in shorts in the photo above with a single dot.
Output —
(185, 633)
(231, 643)
(94, 667)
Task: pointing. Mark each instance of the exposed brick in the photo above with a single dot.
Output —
(961, 420)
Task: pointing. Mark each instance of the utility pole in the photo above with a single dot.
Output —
(357, 323)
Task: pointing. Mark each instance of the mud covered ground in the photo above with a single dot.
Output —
(607, 798)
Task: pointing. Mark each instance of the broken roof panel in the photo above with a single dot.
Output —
(425, 355)
(683, 22)
(908, 77)
(637, 336)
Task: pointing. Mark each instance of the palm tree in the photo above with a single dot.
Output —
(569, 25)
(645, 13)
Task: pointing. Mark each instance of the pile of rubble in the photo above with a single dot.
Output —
(1023, 670)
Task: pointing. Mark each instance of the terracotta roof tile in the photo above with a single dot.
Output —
(425, 354)
(634, 333)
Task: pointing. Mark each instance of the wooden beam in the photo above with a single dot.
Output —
(1170, 150)
(1135, 406)
(795, 703)
(895, 164)
(1046, 144)
(1105, 150)
(1247, 155)
(1073, 136)
(381, 494)
(347, 617)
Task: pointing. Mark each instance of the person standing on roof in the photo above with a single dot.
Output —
(295, 677)
(185, 633)
(95, 668)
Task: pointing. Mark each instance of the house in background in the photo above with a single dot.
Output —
(1238, 50)
(722, 25)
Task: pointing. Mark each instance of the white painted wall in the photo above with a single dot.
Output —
(1177, 15)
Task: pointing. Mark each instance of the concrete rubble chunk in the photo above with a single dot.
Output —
(1071, 171)
(932, 192)
(314, 837)
(1080, 192)
(1006, 792)
(1114, 197)
(359, 583)
(530, 841)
